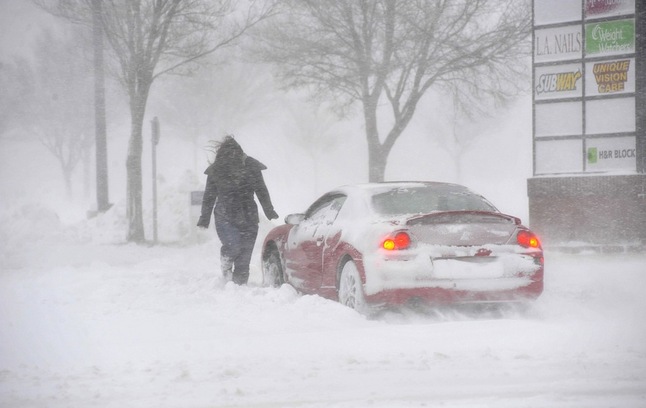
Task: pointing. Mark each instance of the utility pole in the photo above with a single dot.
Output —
(103, 201)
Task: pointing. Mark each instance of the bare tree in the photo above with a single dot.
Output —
(63, 120)
(18, 89)
(394, 51)
(150, 38)
(89, 13)
(50, 101)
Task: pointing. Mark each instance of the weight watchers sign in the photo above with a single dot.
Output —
(610, 38)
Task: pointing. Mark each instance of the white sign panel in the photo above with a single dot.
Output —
(561, 81)
(608, 154)
(558, 119)
(610, 77)
(558, 44)
(559, 156)
(556, 11)
(607, 8)
(610, 116)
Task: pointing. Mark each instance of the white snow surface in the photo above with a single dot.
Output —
(89, 321)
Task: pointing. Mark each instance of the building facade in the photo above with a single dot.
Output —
(589, 114)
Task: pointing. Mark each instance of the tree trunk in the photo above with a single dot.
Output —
(377, 161)
(377, 157)
(378, 152)
(133, 166)
(67, 176)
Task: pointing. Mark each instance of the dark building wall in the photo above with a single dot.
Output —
(640, 84)
(600, 210)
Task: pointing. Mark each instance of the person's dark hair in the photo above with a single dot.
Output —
(229, 160)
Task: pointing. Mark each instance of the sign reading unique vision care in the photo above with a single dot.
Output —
(610, 38)
(610, 77)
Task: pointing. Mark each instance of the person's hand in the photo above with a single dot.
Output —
(271, 214)
(202, 223)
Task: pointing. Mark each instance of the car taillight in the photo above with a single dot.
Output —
(528, 239)
(401, 240)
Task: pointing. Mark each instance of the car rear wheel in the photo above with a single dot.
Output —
(272, 271)
(351, 289)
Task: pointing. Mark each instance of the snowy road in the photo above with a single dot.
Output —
(125, 326)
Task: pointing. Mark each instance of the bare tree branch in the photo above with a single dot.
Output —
(150, 38)
(397, 50)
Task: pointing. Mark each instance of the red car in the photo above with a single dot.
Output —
(385, 244)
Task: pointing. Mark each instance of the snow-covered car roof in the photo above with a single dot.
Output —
(392, 201)
(370, 189)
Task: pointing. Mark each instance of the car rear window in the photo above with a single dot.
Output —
(426, 200)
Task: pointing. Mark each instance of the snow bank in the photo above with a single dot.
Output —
(94, 322)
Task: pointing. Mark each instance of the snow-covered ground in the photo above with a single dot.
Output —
(86, 321)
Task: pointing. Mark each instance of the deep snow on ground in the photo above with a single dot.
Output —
(87, 321)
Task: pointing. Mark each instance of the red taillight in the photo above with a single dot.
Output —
(401, 240)
(528, 239)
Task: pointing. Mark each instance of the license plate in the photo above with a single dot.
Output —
(467, 268)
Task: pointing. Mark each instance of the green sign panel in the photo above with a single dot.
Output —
(592, 155)
(610, 38)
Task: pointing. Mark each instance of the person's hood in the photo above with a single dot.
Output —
(251, 162)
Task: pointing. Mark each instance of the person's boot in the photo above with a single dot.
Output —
(241, 277)
(227, 268)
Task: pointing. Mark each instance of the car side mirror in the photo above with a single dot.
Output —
(294, 219)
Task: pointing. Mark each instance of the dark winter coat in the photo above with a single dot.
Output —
(234, 202)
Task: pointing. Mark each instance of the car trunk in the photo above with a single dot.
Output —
(463, 228)
(471, 246)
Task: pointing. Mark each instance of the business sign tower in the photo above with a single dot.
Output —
(589, 113)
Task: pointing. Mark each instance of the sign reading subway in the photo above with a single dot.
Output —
(561, 81)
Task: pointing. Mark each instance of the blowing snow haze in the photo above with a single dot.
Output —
(88, 319)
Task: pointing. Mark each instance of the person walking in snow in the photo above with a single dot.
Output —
(232, 180)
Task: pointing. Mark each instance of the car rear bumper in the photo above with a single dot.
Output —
(504, 278)
(443, 294)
